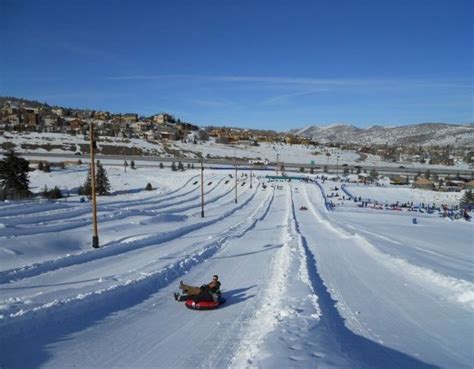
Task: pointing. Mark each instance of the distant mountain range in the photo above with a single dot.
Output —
(416, 134)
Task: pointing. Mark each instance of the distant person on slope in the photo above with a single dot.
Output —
(207, 292)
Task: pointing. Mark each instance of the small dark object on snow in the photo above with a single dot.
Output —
(303, 208)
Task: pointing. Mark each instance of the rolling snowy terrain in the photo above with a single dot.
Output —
(424, 134)
(306, 287)
(40, 143)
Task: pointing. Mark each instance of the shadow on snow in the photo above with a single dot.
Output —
(236, 296)
(363, 352)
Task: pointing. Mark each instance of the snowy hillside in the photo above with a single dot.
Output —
(420, 134)
(306, 287)
(39, 143)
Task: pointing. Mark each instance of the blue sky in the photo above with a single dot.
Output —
(260, 64)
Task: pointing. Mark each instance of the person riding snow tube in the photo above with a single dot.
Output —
(208, 296)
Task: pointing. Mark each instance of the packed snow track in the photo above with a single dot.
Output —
(305, 287)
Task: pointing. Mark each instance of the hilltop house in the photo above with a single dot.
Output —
(77, 126)
(102, 115)
(130, 117)
(163, 118)
(58, 111)
(49, 123)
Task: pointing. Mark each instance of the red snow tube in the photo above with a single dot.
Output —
(204, 305)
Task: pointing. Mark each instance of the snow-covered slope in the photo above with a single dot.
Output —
(43, 143)
(351, 288)
(420, 134)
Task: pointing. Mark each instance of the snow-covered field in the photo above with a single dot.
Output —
(401, 194)
(350, 288)
(271, 152)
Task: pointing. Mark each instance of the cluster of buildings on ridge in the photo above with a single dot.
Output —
(163, 126)
(24, 116)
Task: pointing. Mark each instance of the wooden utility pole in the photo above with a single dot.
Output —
(236, 181)
(251, 167)
(95, 236)
(276, 167)
(202, 187)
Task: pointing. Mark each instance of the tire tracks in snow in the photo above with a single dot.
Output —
(106, 213)
(33, 210)
(336, 344)
(288, 302)
(114, 248)
(461, 291)
(133, 289)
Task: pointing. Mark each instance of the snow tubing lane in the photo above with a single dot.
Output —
(204, 305)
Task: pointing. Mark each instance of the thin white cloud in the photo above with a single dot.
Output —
(308, 82)
(241, 79)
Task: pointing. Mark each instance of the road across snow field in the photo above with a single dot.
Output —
(304, 288)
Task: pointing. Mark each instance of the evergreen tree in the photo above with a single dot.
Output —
(132, 164)
(53, 194)
(40, 165)
(467, 199)
(102, 181)
(161, 165)
(56, 193)
(180, 166)
(14, 182)
(173, 167)
(149, 187)
(302, 169)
